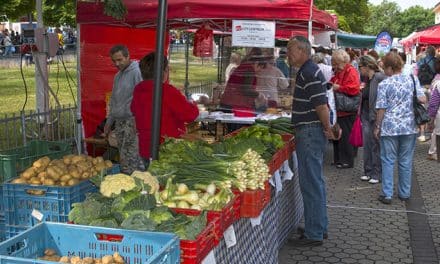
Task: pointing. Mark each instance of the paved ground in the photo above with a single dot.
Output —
(363, 230)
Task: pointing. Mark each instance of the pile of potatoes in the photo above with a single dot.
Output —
(50, 255)
(68, 171)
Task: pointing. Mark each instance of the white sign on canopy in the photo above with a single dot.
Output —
(253, 33)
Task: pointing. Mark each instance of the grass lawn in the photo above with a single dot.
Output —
(13, 92)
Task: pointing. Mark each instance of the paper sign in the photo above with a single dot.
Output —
(278, 183)
(210, 258)
(37, 215)
(288, 174)
(256, 220)
(229, 236)
(253, 33)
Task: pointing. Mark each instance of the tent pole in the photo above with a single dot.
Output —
(158, 76)
(186, 65)
(310, 25)
(79, 127)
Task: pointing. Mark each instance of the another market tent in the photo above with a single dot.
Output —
(99, 32)
(428, 36)
(355, 40)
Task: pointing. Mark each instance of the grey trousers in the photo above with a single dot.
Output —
(372, 163)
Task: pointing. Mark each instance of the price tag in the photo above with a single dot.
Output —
(256, 220)
(278, 183)
(210, 258)
(288, 174)
(37, 215)
(229, 236)
(295, 163)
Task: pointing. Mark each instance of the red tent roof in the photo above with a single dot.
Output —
(429, 35)
(289, 14)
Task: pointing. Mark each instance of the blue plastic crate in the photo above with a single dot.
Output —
(54, 202)
(136, 247)
(2, 227)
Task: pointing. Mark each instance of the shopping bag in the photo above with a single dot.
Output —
(355, 138)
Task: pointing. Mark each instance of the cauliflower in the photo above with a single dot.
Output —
(114, 184)
(148, 179)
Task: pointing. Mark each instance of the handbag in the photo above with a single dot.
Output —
(347, 103)
(355, 138)
(420, 113)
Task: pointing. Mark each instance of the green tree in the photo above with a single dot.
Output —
(355, 13)
(383, 17)
(414, 18)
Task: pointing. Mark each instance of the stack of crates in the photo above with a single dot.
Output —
(14, 161)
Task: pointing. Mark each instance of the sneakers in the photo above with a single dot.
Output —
(422, 138)
(384, 200)
(432, 157)
(373, 181)
(304, 242)
(403, 199)
(365, 178)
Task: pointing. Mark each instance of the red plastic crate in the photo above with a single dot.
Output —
(194, 251)
(277, 160)
(237, 206)
(254, 201)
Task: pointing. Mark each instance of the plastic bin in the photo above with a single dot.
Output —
(16, 160)
(85, 241)
(254, 201)
(194, 251)
(2, 227)
(54, 202)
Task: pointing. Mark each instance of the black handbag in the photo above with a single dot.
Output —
(420, 113)
(347, 103)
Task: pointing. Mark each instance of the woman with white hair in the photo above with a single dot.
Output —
(345, 80)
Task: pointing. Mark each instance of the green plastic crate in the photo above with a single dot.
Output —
(16, 160)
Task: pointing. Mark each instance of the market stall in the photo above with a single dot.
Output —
(427, 36)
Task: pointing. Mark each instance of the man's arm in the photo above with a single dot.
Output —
(324, 117)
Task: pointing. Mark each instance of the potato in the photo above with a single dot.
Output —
(49, 252)
(100, 166)
(29, 173)
(64, 259)
(86, 175)
(108, 164)
(88, 260)
(19, 181)
(68, 159)
(75, 260)
(48, 182)
(117, 258)
(98, 261)
(52, 172)
(72, 182)
(107, 259)
(75, 173)
(41, 162)
(76, 159)
(65, 178)
(35, 181)
(35, 192)
(63, 183)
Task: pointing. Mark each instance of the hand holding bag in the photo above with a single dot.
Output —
(420, 113)
(355, 138)
(346, 103)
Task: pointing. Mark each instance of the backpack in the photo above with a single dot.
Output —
(425, 73)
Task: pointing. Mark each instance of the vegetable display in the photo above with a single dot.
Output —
(68, 171)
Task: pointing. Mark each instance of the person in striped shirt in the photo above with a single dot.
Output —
(310, 117)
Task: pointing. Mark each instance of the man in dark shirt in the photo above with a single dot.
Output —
(310, 116)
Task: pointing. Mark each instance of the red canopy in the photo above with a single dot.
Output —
(289, 14)
(429, 35)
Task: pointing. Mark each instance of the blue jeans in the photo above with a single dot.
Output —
(400, 148)
(372, 163)
(310, 147)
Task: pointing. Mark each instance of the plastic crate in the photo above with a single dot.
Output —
(16, 160)
(254, 201)
(2, 227)
(85, 241)
(54, 202)
(194, 251)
